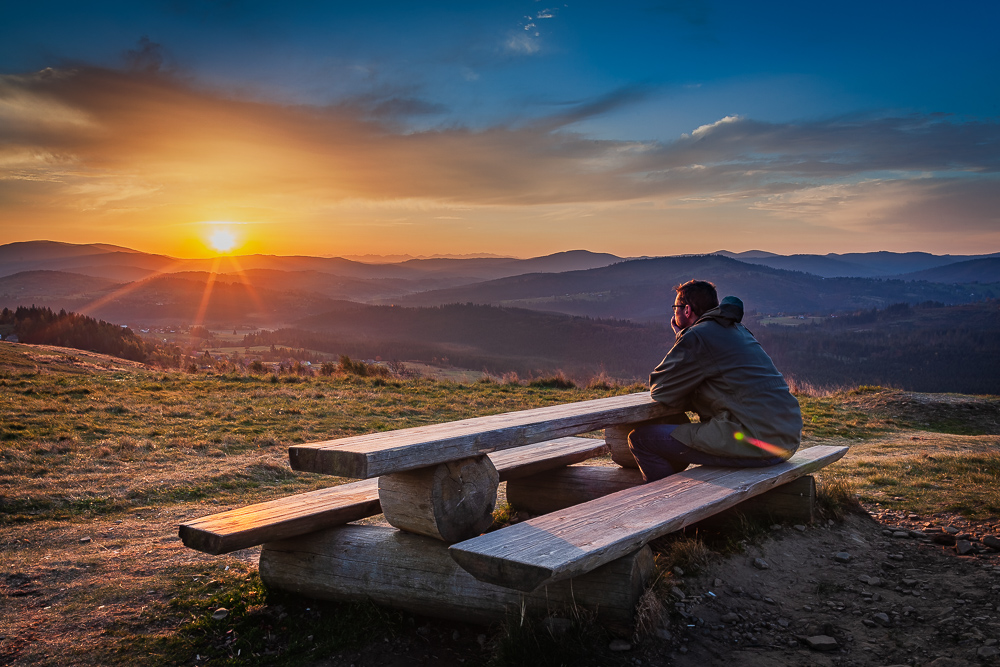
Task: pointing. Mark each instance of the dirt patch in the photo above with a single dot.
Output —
(877, 593)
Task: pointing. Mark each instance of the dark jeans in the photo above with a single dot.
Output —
(660, 455)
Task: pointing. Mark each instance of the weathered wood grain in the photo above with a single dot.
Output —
(416, 574)
(573, 541)
(450, 501)
(279, 519)
(305, 512)
(366, 456)
(553, 490)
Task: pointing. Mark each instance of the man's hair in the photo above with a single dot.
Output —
(699, 294)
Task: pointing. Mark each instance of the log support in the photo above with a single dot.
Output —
(554, 490)
(448, 501)
(794, 502)
(417, 574)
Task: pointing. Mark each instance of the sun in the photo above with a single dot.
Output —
(222, 240)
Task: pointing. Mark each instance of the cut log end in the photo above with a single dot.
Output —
(449, 501)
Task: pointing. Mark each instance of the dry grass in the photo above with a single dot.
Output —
(93, 447)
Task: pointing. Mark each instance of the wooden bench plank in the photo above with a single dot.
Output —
(282, 518)
(303, 513)
(578, 539)
(366, 456)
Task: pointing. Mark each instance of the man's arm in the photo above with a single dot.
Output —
(679, 374)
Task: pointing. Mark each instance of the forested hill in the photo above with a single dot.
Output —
(643, 289)
(481, 338)
(41, 326)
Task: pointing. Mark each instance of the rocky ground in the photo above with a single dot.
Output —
(885, 589)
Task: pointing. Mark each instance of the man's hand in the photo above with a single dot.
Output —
(673, 325)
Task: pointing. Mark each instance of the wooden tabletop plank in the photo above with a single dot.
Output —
(366, 456)
(303, 513)
(578, 539)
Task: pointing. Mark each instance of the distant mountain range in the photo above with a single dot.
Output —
(126, 286)
(906, 265)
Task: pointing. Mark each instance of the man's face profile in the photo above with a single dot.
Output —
(683, 315)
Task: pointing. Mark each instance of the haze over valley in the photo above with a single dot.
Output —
(579, 313)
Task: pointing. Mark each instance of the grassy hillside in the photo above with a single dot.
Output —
(100, 459)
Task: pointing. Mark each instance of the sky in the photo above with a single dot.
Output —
(518, 128)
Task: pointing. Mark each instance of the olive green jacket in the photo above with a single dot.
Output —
(717, 369)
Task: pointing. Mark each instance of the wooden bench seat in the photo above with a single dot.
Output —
(366, 456)
(307, 512)
(570, 542)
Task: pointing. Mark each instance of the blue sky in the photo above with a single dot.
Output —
(513, 127)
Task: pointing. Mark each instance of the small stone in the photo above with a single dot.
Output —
(799, 527)
(662, 633)
(912, 517)
(918, 534)
(678, 571)
(896, 556)
(869, 622)
(718, 583)
(909, 583)
(481, 639)
(84, 540)
(822, 643)
(731, 617)
(683, 650)
(806, 607)
(220, 613)
(992, 541)
(761, 564)
(776, 526)
(951, 530)
(943, 539)
(963, 547)
(619, 645)
(882, 619)
(900, 533)
(842, 557)
(986, 652)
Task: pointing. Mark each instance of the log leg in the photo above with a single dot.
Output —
(416, 574)
(616, 438)
(794, 502)
(449, 501)
(554, 490)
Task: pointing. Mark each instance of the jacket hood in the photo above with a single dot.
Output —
(727, 313)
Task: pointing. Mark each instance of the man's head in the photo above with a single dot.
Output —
(694, 299)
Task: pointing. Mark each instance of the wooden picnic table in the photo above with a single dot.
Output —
(438, 484)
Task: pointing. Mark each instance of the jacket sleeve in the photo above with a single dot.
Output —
(681, 372)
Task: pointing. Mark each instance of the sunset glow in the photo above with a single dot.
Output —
(437, 133)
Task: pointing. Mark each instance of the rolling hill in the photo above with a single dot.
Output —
(642, 290)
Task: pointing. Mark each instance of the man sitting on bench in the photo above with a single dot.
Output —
(716, 368)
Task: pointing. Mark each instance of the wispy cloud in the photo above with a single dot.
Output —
(141, 140)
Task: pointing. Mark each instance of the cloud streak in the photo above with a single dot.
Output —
(142, 141)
